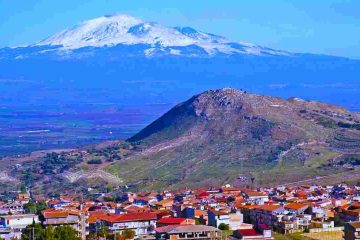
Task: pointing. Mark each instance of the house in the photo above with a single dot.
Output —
(296, 208)
(11, 226)
(165, 204)
(140, 223)
(187, 212)
(142, 201)
(236, 219)
(322, 224)
(174, 232)
(352, 231)
(64, 217)
(267, 214)
(174, 221)
(135, 209)
(23, 198)
(230, 190)
(18, 221)
(255, 197)
(7, 233)
(215, 218)
(12, 207)
(253, 234)
(348, 213)
(56, 203)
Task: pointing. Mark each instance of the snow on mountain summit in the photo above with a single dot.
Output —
(122, 29)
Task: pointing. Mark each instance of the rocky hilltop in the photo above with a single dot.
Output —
(222, 134)
(218, 136)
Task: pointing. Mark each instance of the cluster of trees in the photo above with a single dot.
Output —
(35, 208)
(36, 231)
(103, 232)
(110, 154)
(354, 160)
(327, 122)
(330, 123)
(349, 125)
(57, 163)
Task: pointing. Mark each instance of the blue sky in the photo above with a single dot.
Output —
(317, 26)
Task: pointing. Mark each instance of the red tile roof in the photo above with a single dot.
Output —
(170, 220)
(249, 232)
(203, 195)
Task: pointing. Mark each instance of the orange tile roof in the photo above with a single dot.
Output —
(269, 207)
(199, 213)
(52, 213)
(165, 201)
(135, 209)
(59, 213)
(230, 189)
(218, 212)
(248, 206)
(95, 215)
(355, 224)
(251, 193)
(114, 218)
(296, 206)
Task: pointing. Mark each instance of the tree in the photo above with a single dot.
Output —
(109, 188)
(35, 208)
(198, 221)
(125, 235)
(30, 207)
(22, 188)
(92, 236)
(224, 227)
(128, 234)
(49, 234)
(103, 231)
(66, 233)
(32, 231)
(41, 206)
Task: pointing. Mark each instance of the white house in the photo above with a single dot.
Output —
(18, 221)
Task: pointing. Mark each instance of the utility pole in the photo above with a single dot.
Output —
(33, 230)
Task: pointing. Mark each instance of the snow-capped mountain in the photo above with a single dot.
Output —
(122, 29)
(129, 61)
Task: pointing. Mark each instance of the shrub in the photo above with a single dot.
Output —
(94, 161)
(224, 227)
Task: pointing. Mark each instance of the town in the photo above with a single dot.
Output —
(227, 212)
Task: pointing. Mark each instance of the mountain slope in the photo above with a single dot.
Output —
(220, 135)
